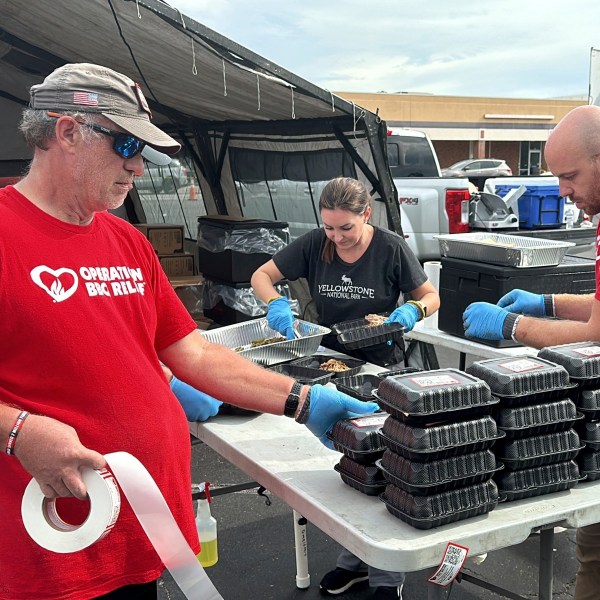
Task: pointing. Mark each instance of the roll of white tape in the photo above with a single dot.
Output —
(44, 525)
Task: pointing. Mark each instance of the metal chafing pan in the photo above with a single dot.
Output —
(498, 249)
(240, 337)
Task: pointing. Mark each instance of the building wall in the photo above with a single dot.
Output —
(469, 127)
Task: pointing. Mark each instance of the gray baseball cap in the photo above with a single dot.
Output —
(85, 87)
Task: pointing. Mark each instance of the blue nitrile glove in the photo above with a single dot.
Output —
(280, 317)
(407, 315)
(485, 321)
(197, 405)
(525, 303)
(328, 406)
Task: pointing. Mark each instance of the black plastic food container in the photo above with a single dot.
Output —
(439, 441)
(424, 478)
(316, 361)
(538, 450)
(522, 376)
(581, 360)
(545, 479)
(304, 375)
(425, 512)
(358, 437)
(366, 478)
(359, 386)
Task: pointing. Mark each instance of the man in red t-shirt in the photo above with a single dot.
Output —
(89, 318)
(573, 155)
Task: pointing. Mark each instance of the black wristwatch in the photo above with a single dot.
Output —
(291, 403)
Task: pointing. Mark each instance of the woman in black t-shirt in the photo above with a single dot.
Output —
(353, 269)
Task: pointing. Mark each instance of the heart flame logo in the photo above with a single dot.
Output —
(56, 290)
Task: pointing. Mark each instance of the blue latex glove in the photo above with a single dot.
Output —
(280, 317)
(328, 406)
(197, 405)
(407, 315)
(525, 303)
(484, 320)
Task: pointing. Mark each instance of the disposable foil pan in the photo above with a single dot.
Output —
(239, 337)
(498, 249)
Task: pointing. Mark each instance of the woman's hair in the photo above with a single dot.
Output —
(343, 193)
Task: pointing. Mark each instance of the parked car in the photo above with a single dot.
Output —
(478, 167)
(166, 178)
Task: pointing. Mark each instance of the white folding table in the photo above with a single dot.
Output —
(288, 460)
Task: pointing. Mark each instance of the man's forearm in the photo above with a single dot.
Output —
(573, 307)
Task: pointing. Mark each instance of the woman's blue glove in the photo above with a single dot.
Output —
(197, 405)
(280, 317)
(328, 406)
(485, 321)
(525, 303)
(407, 315)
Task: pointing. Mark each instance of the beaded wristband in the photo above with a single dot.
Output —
(12, 436)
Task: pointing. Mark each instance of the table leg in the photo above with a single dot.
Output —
(462, 361)
(436, 592)
(301, 545)
(546, 571)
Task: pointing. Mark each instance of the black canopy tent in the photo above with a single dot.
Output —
(208, 91)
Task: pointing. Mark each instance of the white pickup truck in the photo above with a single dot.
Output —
(431, 204)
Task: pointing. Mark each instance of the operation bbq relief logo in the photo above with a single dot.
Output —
(345, 290)
(61, 284)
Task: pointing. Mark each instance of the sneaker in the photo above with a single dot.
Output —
(387, 593)
(340, 580)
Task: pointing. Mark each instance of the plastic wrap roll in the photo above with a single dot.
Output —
(432, 270)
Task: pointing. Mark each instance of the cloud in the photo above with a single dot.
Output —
(509, 49)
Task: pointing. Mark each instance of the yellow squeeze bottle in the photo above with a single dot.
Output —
(207, 532)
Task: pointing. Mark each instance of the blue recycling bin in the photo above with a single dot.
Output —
(541, 206)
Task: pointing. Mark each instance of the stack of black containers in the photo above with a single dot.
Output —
(437, 439)
(537, 417)
(230, 249)
(582, 361)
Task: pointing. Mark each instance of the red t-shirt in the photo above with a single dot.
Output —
(598, 262)
(84, 311)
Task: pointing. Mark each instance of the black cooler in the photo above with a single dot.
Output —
(463, 282)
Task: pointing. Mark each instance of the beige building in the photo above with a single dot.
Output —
(469, 127)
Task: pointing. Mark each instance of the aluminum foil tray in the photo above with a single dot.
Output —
(242, 335)
(498, 249)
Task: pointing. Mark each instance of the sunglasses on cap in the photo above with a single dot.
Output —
(124, 144)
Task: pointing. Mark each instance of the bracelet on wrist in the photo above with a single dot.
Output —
(14, 432)
(273, 298)
(304, 411)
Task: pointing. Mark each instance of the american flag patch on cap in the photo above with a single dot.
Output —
(85, 98)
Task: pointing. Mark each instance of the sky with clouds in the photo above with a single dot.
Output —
(507, 48)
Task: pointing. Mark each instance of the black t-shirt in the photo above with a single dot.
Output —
(345, 291)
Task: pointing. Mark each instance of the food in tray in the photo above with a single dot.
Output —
(260, 342)
(333, 365)
(373, 320)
